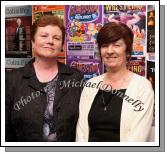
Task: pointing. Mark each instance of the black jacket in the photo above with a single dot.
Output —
(25, 104)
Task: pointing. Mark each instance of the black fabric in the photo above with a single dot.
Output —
(26, 124)
(105, 124)
(49, 127)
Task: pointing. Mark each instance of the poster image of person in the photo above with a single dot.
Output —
(20, 36)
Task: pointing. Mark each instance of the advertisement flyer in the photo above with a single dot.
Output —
(83, 22)
(137, 65)
(40, 10)
(134, 16)
(18, 21)
(90, 68)
(151, 29)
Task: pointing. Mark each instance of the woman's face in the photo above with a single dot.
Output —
(114, 54)
(47, 41)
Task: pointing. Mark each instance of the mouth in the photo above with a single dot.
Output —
(111, 57)
(50, 48)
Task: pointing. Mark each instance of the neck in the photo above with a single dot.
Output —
(115, 75)
(45, 64)
(46, 69)
(118, 79)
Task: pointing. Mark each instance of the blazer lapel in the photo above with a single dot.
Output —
(35, 84)
(60, 92)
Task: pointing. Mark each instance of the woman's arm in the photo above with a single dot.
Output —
(142, 123)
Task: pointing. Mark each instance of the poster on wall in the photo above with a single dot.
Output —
(83, 22)
(18, 21)
(151, 78)
(137, 65)
(40, 10)
(90, 67)
(151, 28)
(55, 10)
(134, 16)
(151, 72)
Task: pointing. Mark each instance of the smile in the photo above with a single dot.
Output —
(111, 57)
(49, 48)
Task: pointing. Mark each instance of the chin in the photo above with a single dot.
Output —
(111, 65)
(51, 54)
(48, 56)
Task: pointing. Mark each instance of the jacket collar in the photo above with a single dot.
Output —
(29, 73)
(29, 70)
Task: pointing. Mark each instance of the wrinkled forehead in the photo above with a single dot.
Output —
(49, 29)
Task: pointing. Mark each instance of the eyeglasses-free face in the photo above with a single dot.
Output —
(114, 54)
(47, 41)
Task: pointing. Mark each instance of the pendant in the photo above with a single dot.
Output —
(105, 108)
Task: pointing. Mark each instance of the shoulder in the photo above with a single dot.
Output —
(141, 81)
(97, 78)
(69, 70)
(93, 84)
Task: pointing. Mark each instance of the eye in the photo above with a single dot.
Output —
(117, 45)
(43, 35)
(57, 38)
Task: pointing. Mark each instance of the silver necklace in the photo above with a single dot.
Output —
(104, 103)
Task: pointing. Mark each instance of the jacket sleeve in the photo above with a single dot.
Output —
(141, 125)
(81, 129)
(9, 132)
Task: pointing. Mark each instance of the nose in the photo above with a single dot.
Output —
(110, 49)
(50, 40)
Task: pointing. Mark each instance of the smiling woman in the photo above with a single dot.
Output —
(104, 116)
(52, 116)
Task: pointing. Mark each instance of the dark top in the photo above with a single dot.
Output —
(25, 104)
(49, 127)
(104, 117)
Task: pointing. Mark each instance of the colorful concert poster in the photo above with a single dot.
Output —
(90, 67)
(133, 16)
(83, 22)
(137, 65)
(40, 10)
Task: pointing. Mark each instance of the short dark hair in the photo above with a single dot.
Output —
(48, 20)
(112, 32)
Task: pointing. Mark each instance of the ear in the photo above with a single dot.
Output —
(32, 42)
